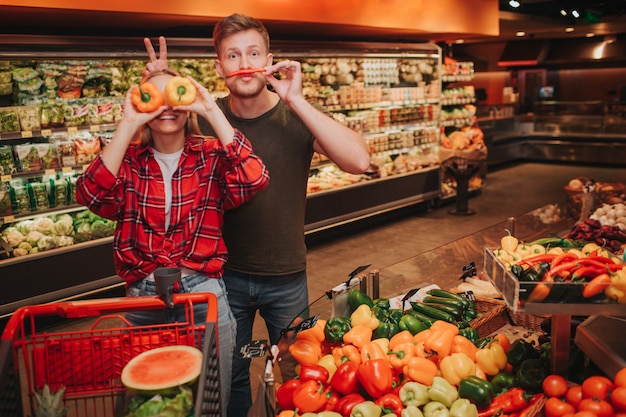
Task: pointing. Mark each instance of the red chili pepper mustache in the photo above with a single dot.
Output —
(245, 71)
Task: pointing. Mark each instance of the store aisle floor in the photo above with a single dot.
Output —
(394, 237)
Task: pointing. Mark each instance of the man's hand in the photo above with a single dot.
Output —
(155, 64)
(289, 87)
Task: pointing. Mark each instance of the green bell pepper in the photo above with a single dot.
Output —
(442, 391)
(380, 313)
(386, 329)
(366, 409)
(412, 324)
(477, 390)
(519, 351)
(395, 314)
(357, 297)
(531, 374)
(463, 408)
(335, 328)
(502, 382)
(470, 333)
(414, 393)
(436, 409)
(545, 351)
(411, 411)
(382, 303)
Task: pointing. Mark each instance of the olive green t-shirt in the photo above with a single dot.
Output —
(265, 236)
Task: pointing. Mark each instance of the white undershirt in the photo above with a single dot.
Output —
(168, 162)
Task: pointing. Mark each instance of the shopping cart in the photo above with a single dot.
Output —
(87, 363)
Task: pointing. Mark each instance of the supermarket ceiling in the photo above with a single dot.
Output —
(537, 19)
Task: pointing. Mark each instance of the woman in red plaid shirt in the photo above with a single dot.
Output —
(168, 194)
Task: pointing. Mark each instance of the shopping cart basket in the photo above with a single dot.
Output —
(87, 363)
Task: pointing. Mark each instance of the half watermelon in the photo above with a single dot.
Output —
(162, 370)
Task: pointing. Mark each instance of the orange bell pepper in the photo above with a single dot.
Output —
(400, 355)
(147, 97)
(400, 338)
(441, 337)
(461, 344)
(306, 351)
(288, 413)
(315, 333)
(372, 350)
(420, 369)
(345, 353)
(358, 335)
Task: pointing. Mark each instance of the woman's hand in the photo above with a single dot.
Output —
(204, 102)
(288, 87)
(134, 117)
(155, 64)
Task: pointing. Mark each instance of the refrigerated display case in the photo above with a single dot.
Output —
(391, 93)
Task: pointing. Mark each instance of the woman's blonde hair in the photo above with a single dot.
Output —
(191, 128)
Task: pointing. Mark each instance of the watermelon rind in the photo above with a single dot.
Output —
(162, 370)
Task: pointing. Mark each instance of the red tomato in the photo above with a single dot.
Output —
(618, 398)
(600, 408)
(554, 386)
(556, 407)
(597, 386)
(574, 395)
(584, 414)
(620, 378)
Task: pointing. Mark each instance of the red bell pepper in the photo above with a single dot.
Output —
(313, 372)
(333, 398)
(284, 394)
(310, 397)
(345, 380)
(346, 403)
(390, 403)
(376, 377)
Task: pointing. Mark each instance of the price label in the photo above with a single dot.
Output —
(94, 128)
(49, 172)
(66, 170)
(27, 134)
(5, 178)
(72, 130)
(46, 132)
(9, 219)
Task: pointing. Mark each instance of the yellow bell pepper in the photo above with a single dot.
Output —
(491, 359)
(363, 316)
(383, 342)
(617, 290)
(456, 366)
(328, 362)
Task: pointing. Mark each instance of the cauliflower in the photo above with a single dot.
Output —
(65, 241)
(26, 226)
(83, 233)
(33, 237)
(14, 238)
(65, 218)
(9, 230)
(44, 225)
(48, 242)
(62, 228)
(102, 228)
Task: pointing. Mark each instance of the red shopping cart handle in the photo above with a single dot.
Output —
(98, 307)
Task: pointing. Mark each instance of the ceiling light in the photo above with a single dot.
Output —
(590, 35)
(514, 3)
(520, 33)
(569, 29)
(563, 12)
(575, 13)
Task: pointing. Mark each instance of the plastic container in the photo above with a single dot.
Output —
(88, 362)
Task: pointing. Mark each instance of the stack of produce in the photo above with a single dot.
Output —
(381, 361)
(594, 273)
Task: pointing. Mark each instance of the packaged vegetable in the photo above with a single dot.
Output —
(48, 155)
(5, 77)
(76, 112)
(87, 148)
(29, 118)
(7, 163)
(65, 150)
(9, 120)
(41, 197)
(28, 157)
(52, 114)
(6, 89)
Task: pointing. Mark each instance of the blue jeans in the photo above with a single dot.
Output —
(278, 300)
(226, 324)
